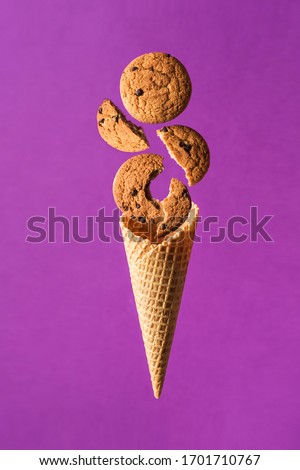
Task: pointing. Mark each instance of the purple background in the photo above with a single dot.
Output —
(72, 366)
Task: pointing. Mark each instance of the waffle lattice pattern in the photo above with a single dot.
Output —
(158, 274)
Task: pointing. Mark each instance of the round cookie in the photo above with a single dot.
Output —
(155, 87)
(189, 149)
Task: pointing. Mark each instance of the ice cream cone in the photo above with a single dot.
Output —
(157, 273)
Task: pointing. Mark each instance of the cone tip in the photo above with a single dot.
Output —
(157, 392)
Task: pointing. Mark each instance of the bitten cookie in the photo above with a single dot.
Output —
(155, 87)
(176, 207)
(189, 149)
(131, 187)
(145, 215)
(117, 131)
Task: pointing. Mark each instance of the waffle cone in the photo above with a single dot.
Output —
(157, 273)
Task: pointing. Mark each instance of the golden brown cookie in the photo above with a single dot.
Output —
(145, 215)
(117, 131)
(176, 207)
(189, 149)
(131, 187)
(155, 87)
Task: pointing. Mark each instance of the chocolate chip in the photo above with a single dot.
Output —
(133, 69)
(185, 146)
(139, 92)
(134, 192)
(116, 118)
(185, 193)
(101, 122)
(100, 110)
(168, 55)
(137, 205)
(164, 129)
(142, 219)
(163, 226)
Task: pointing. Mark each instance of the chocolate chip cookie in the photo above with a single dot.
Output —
(176, 207)
(117, 131)
(145, 215)
(155, 87)
(131, 187)
(189, 149)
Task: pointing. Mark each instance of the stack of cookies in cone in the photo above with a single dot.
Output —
(158, 235)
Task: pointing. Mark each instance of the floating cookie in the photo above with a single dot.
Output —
(155, 87)
(117, 131)
(131, 187)
(146, 215)
(189, 149)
